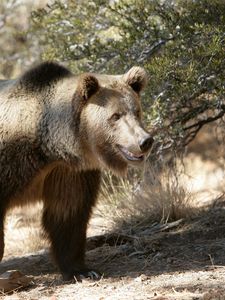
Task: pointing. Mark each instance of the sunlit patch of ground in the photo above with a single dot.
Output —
(205, 179)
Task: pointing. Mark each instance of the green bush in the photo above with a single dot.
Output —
(180, 43)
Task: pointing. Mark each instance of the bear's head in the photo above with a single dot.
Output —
(110, 120)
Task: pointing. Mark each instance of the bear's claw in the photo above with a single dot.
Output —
(78, 276)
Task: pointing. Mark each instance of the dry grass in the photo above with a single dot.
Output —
(23, 232)
(163, 193)
(167, 195)
(159, 196)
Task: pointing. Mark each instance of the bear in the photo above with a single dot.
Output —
(58, 132)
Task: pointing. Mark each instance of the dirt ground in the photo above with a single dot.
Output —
(179, 260)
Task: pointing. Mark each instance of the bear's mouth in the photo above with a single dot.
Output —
(129, 155)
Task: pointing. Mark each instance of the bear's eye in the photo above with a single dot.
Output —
(115, 117)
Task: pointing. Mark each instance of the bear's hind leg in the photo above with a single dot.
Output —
(68, 203)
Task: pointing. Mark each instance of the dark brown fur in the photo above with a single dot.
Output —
(68, 232)
(42, 76)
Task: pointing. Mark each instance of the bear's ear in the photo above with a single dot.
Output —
(136, 77)
(87, 86)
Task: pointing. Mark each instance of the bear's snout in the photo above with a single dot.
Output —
(145, 143)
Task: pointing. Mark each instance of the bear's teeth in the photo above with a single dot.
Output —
(132, 154)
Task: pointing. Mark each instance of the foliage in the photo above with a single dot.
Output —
(180, 43)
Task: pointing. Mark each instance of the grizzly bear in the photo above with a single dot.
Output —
(58, 132)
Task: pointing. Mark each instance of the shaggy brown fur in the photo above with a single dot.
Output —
(57, 132)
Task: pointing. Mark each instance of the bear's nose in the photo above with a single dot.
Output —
(146, 143)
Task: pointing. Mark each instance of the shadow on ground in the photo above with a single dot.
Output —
(194, 244)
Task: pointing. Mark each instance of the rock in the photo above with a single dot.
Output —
(13, 280)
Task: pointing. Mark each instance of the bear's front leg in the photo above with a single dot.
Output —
(68, 201)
